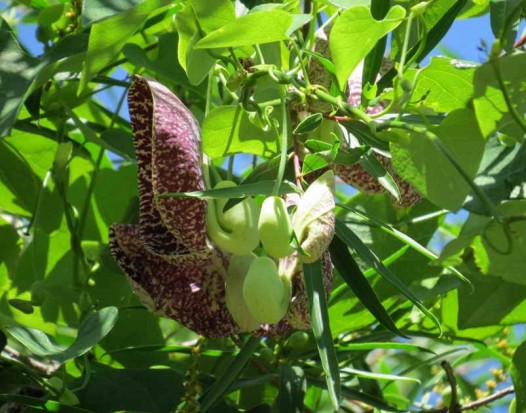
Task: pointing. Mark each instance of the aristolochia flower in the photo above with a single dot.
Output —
(172, 265)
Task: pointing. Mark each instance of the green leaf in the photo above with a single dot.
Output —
(354, 35)
(17, 71)
(437, 29)
(502, 169)
(445, 84)
(518, 375)
(93, 329)
(372, 165)
(24, 161)
(239, 191)
(250, 29)
(225, 380)
(292, 387)
(213, 14)
(357, 282)
(41, 404)
(109, 36)
(95, 10)
(165, 64)
(319, 318)
(505, 17)
(196, 63)
(489, 101)
(420, 162)
(309, 124)
(503, 246)
(357, 245)
(153, 390)
(494, 302)
(227, 130)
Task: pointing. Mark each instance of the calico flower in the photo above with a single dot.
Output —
(171, 264)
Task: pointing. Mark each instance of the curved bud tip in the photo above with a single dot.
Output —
(314, 219)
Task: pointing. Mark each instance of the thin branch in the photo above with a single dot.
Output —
(487, 400)
(454, 406)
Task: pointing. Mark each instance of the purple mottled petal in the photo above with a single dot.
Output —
(177, 168)
(152, 231)
(194, 294)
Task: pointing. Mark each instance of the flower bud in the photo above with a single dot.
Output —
(235, 302)
(314, 219)
(267, 295)
(275, 228)
(235, 230)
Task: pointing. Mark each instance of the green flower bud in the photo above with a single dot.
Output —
(314, 219)
(267, 295)
(235, 302)
(275, 227)
(235, 230)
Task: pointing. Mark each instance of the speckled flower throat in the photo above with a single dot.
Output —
(175, 269)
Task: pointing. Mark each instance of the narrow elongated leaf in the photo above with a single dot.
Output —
(373, 61)
(250, 29)
(357, 245)
(240, 191)
(379, 345)
(354, 35)
(379, 376)
(352, 394)
(319, 317)
(223, 382)
(357, 282)
(406, 239)
(292, 387)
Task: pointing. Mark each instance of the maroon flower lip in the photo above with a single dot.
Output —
(172, 266)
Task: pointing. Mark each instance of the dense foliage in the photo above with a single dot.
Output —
(427, 309)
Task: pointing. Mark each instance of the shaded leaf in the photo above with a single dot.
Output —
(518, 375)
(109, 36)
(420, 162)
(292, 389)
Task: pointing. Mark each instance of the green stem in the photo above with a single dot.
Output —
(405, 46)
(302, 64)
(284, 143)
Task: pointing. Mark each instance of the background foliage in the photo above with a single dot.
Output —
(426, 312)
